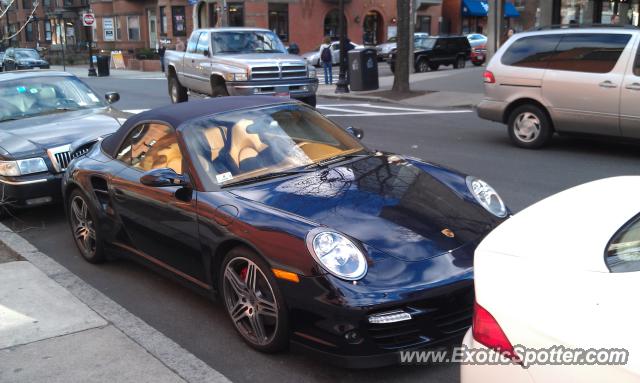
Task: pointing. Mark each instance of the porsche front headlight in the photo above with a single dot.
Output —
(486, 196)
(337, 254)
(22, 167)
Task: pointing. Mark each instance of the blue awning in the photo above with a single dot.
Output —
(510, 10)
(478, 8)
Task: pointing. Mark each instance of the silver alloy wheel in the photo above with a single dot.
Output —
(423, 65)
(84, 231)
(250, 301)
(527, 127)
(461, 62)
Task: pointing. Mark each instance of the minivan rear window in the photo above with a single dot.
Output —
(531, 52)
(589, 52)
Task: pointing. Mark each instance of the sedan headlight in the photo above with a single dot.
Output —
(337, 254)
(311, 72)
(486, 196)
(236, 77)
(22, 167)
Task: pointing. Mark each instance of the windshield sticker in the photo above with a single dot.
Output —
(223, 177)
(21, 89)
(33, 90)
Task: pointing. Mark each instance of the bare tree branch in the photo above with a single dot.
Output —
(33, 11)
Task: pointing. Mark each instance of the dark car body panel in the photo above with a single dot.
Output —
(374, 200)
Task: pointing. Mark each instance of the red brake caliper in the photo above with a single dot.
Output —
(243, 273)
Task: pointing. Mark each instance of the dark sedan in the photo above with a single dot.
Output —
(45, 117)
(307, 236)
(23, 58)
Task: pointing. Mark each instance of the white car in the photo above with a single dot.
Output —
(477, 39)
(313, 57)
(561, 273)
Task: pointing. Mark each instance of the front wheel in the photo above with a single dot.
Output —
(253, 301)
(84, 226)
(177, 92)
(529, 127)
(422, 66)
(311, 100)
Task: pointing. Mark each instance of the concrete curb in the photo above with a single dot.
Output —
(169, 353)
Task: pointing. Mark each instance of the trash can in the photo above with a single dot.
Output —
(363, 69)
(103, 66)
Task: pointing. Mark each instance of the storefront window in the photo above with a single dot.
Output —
(163, 21)
(179, 21)
(236, 15)
(331, 24)
(28, 32)
(279, 20)
(47, 30)
(118, 29)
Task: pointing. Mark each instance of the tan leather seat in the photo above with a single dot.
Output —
(216, 141)
(244, 145)
(165, 153)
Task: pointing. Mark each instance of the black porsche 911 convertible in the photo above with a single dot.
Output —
(308, 237)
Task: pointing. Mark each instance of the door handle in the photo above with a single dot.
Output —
(607, 84)
(634, 86)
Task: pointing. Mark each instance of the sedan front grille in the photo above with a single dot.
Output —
(60, 157)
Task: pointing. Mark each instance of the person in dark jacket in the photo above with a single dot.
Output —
(161, 51)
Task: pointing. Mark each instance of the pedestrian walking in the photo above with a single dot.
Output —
(161, 51)
(327, 60)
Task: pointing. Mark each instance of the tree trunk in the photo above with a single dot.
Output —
(401, 73)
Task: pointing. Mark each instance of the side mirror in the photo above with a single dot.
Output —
(163, 177)
(356, 132)
(293, 49)
(206, 53)
(112, 97)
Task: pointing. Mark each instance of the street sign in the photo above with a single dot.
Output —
(88, 19)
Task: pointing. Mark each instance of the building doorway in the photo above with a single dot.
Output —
(331, 24)
(153, 28)
(373, 28)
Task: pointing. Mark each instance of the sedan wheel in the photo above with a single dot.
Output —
(423, 65)
(83, 226)
(253, 301)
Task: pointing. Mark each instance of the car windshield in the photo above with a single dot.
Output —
(35, 96)
(27, 54)
(247, 42)
(240, 145)
(424, 43)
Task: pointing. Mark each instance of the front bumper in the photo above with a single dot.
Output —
(295, 88)
(25, 67)
(31, 190)
(491, 110)
(340, 333)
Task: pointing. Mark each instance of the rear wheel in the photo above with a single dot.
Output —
(460, 63)
(422, 65)
(529, 127)
(253, 301)
(177, 92)
(434, 67)
(84, 226)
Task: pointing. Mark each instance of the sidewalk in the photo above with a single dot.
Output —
(50, 334)
(431, 90)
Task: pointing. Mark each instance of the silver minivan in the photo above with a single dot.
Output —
(565, 80)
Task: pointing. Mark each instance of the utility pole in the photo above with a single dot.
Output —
(494, 26)
(342, 86)
(412, 29)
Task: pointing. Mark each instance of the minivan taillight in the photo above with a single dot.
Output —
(488, 77)
(487, 331)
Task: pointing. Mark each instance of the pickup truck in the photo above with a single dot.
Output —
(237, 62)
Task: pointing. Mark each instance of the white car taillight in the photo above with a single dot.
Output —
(487, 331)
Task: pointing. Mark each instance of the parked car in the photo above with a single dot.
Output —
(238, 62)
(306, 235)
(45, 117)
(1, 59)
(432, 52)
(478, 55)
(569, 80)
(574, 278)
(313, 57)
(23, 58)
(477, 39)
(385, 48)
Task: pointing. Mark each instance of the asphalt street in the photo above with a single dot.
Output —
(459, 140)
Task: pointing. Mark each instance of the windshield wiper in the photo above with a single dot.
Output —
(337, 158)
(266, 176)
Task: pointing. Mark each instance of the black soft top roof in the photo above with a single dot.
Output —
(177, 114)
